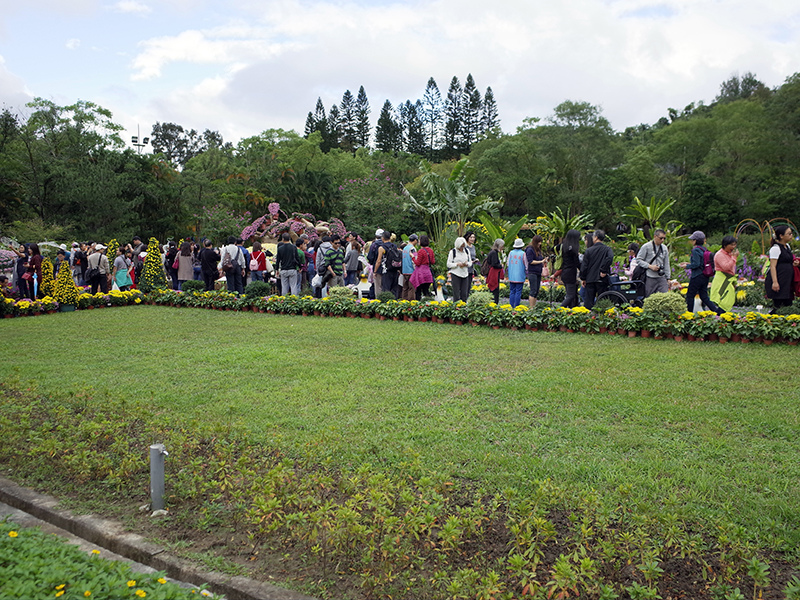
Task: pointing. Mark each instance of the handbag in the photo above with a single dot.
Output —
(27, 276)
(176, 264)
(92, 272)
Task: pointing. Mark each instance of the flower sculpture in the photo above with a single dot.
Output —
(65, 291)
(153, 271)
(48, 282)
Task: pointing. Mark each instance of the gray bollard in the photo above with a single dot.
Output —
(157, 454)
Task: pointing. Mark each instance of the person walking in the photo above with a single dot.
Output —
(517, 265)
(409, 251)
(287, 266)
(698, 281)
(596, 268)
(422, 277)
(99, 261)
(231, 265)
(778, 283)
(185, 270)
(209, 258)
(570, 261)
(536, 259)
(495, 276)
(723, 286)
(654, 257)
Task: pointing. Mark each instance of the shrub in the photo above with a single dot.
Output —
(257, 289)
(667, 303)
(386, 296)
(65, 291)
(194, 286)
(340, 292)
(602, 305)
(477, 299)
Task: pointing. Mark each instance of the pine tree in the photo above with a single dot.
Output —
(362, 118)
(388, 133)
(347, 116)
(452, 114)
(489, 116)
(334, 127)
(432, 116)
(471, 106)
(311, 126)
(152, 276)
(415, 129)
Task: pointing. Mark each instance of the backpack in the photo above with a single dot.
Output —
(253, 262)
(322, 267)
(485, 268)
(394, 258)
(708, 263)
(372, 255)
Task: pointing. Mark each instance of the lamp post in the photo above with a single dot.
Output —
(135, 141)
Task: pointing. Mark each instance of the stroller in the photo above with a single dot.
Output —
(624, 292)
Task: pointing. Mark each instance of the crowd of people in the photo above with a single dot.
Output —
(406, 268)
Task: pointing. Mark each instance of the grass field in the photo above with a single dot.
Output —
(709, 429)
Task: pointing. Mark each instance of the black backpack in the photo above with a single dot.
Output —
(394, 257)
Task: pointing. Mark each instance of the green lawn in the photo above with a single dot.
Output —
(710, 429)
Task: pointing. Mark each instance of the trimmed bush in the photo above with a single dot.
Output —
(386, 296)
(477, 299)
(339, 292)
(665, 303)
(193, 285)
(257, 289)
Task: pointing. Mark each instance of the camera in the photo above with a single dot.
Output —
(660, 271)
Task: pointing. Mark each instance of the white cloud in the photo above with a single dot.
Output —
(73, 44)
(132, 7)
(14, 94)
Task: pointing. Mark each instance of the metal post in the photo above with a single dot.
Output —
(157, 454)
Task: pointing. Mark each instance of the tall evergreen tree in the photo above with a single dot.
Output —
(415, 128)
(489, 117)
(334, 127)
(347, 118)
(452, 115)
(431, 115)
(471, 105)
(362, 118)
(310, 125)
(388, 133)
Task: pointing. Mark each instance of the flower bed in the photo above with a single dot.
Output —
(629, 321)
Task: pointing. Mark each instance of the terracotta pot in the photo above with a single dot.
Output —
(90, 307)
(658, 337)
(395, 318)
(317, 313)
(562, 327)
(366, 316)
(305, 313)
(768, 342)
(745, 340)
(495, 326)
(583, 329)
(514, 328)
(723, 340)
(712, 337)
(645, 333)
(603, 330)
(620, 331)
(423, 319)
(631, 334)
(691, 338)
(677, 338)
(262, 310)
(381, 317)
(789, 342)
(459, 322)
(474, 323)
(255, 308)
(736, 337)
(612, 332)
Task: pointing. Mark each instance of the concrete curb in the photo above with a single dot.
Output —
(111, 536)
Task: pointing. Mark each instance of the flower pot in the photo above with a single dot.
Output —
(317, 313)
(7, 316)
(262, 310)
(381, 317)
(691, 338)
(768, 342)
(712, 337)
(459, 322)
(495, 326)
(620, 331)
(677, 338)
(514, 328)
(789, 342)
(474, 323)
(255, 308)
(631, 334)
(423, 319)
(645, 333)
(611, 332)
(745, 340)
(562, 328)
(736, 337)
(395, 318)
(658, 337)
(366, 316)
(90, 307)
(603, 330)
(723, 340)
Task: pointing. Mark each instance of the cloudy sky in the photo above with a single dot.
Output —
(243, 66)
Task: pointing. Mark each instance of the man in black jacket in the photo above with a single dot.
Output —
(596, 268)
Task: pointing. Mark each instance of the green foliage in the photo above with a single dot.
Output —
(649, 214)
(34, 564)
(667, 303)
(479, 299)
(372, 202)
(254, 289)
(342, 292)
(193, 285)
(36, 230)
(385, 296)
(500, 229)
